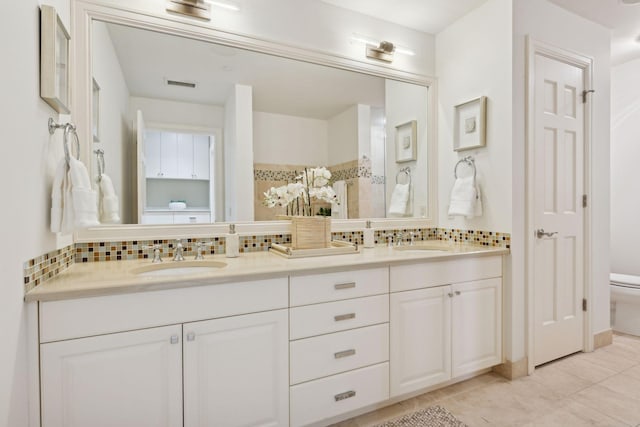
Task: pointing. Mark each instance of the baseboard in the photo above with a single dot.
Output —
(512, 370)
(602, 339)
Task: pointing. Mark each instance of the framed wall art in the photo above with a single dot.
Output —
(54, 60)
(470, 124)
(406, 142)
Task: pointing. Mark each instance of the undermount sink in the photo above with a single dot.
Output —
(178, 268)
(422, 248)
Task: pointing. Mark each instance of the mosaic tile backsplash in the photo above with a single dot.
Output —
(47, 266)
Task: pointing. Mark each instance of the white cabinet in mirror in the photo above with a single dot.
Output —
(274, 115)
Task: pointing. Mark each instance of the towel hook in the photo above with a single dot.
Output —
(68, 128)
(468, 160)
(407, 172)
(100, 160)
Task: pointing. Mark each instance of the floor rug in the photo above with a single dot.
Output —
(435, 416)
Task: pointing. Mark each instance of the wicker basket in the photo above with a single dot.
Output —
(310, 232)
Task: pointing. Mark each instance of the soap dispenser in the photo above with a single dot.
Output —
(232, 242)
(369, 238)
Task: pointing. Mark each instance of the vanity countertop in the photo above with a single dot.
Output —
(118, 277)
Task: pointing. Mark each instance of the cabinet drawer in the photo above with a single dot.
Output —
(337, 316)
(191, 218)
(317, 288)
(445, 272)
(326, 355)
(328, 397)
(83, 317)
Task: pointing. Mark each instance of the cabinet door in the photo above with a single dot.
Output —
(152, 154)
(124, 379)
(169, 154)
(420, 339)
(185, 156)
(236, 371)
(201, 157)
(476, 325)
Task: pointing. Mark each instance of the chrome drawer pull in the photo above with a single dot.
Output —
(345, 285)
(345, 353)
(344, 317)
(345, 395)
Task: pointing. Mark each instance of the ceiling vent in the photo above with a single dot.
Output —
(181, 84)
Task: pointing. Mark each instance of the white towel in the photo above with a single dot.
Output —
(73, 202)
(57, 207)
(400, 199)
(109, 203)
(85, 203)
(339, 210)
(466, 199)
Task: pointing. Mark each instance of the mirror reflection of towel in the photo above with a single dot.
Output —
(400, 199)
(109, 203)
(339, 210)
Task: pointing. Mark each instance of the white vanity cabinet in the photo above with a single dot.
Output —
(339, 349)
(236, 371)
(231, 370)
(441, 329)
(124, 379)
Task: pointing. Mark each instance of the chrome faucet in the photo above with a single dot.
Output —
(200, 249)
(156, 252)
(390, 239)
(412, 236)
(177, 253)
(399, 239)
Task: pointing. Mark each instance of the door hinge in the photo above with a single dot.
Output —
(584, 95)
(584, 200)
(584, 304)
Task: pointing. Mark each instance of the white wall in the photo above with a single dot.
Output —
(473, 58)
(238, 155)
(28, 156)
(551, 24)
(343, 136)
(405, 102)
(115, 127)
(178, 113)
(289, 140)
(625, 155)
(312, 24)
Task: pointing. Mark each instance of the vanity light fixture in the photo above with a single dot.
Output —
(380, 50)
(193, 8)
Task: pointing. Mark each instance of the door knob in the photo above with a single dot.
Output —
(540, 233)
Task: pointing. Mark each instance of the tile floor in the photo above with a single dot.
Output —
(587, 389)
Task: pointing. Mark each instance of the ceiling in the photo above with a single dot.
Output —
(279, 85)
(431, 16)
(622, 19)
(428, 16)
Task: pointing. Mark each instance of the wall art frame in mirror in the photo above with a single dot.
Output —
(54, 60)
(470, 124)
(406, 142)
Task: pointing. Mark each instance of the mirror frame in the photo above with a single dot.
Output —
(83, 12)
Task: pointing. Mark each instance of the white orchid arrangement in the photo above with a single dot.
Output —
(296, 197)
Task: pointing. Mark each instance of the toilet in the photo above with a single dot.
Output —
(625, 303)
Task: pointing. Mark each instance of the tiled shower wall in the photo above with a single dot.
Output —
(49, 265)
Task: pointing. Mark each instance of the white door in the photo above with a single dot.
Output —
(185, 155)
(236, 371)
(558, 186)
(201, 156)
(143, 169)
(129, 379)
(476, 325)
(420, 337)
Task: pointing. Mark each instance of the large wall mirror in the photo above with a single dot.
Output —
(195, 131)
